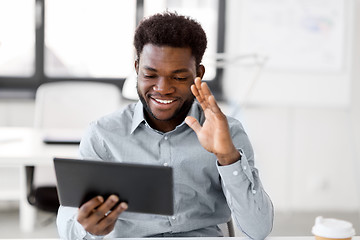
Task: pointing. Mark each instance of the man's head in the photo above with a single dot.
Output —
(173, 30)
(169, 51)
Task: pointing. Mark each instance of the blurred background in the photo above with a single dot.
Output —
(289, 70)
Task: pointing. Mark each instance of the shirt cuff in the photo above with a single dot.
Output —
(90, 236)
(238, 171)
(84, 234)
(80, 231)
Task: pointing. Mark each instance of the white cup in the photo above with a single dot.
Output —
(330, 228)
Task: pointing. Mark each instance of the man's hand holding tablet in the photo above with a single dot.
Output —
(98, 216)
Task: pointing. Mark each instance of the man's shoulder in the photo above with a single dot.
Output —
(121, 118)
(234, 123)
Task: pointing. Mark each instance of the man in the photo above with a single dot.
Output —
(211, 156)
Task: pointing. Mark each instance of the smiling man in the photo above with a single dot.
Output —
(165, 75)
(211, 156)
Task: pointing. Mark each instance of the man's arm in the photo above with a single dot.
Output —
(251, 206)
(93, 218)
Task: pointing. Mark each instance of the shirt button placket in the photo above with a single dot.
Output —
(172, 220)
(165, 152)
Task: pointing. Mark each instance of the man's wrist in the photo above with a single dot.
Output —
(90, 236)
(228, 159)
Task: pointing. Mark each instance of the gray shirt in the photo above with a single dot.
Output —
(205, 194)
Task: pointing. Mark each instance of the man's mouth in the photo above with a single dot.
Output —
(162, 101)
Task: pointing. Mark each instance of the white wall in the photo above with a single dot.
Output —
(305, 126)
(284, 85)
(306, 146)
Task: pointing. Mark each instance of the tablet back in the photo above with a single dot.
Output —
(146, 188)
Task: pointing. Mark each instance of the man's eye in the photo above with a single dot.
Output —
(180, 78)
(149, 76)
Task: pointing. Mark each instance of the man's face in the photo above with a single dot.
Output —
(165, 75)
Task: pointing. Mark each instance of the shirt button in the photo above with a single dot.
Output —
(235, 173)
(166, 137)
(165, 164)
(254, 191)
(244, 167)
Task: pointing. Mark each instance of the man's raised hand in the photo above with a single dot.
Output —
(214, 134)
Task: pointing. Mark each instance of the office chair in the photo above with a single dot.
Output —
(69, 105)
(228, 228)
(42, 197)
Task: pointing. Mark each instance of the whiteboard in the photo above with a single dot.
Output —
(301, 35)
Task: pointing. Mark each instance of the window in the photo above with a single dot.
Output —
(89, 39)
(92, 41)
(17, 40)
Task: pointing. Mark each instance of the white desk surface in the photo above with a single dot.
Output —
(20, 147)
(24, 146)
(238, 238)
(231, 238)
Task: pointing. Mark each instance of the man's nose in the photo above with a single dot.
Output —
(163, 86)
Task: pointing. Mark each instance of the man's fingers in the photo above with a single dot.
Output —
(193, 124)
(213, 104)
(197, 83)
(205, 90)
(204, 96)
(101, 219)
(107, 224)
(197, 93)
(104, 209)
(202, 93)
(88, 208)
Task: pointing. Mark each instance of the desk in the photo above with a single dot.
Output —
(237, 238)
(22, 147)
(229, 238)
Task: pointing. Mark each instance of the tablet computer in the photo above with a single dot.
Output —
(146, 188)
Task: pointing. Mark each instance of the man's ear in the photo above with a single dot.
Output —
(200, 71)
(136, 64)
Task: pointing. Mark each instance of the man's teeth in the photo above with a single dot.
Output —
(164, 101)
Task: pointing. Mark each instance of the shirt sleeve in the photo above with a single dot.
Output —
(67, 224)
(91, 146)
(250, 205)
(69, 228)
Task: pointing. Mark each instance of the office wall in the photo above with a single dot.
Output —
(305, 126)
(306, 146)
(355, 97)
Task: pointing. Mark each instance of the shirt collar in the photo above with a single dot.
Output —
(195, 111)
(138, 117)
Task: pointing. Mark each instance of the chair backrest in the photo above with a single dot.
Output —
(71, 105)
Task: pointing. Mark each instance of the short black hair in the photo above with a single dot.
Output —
(171, 29)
